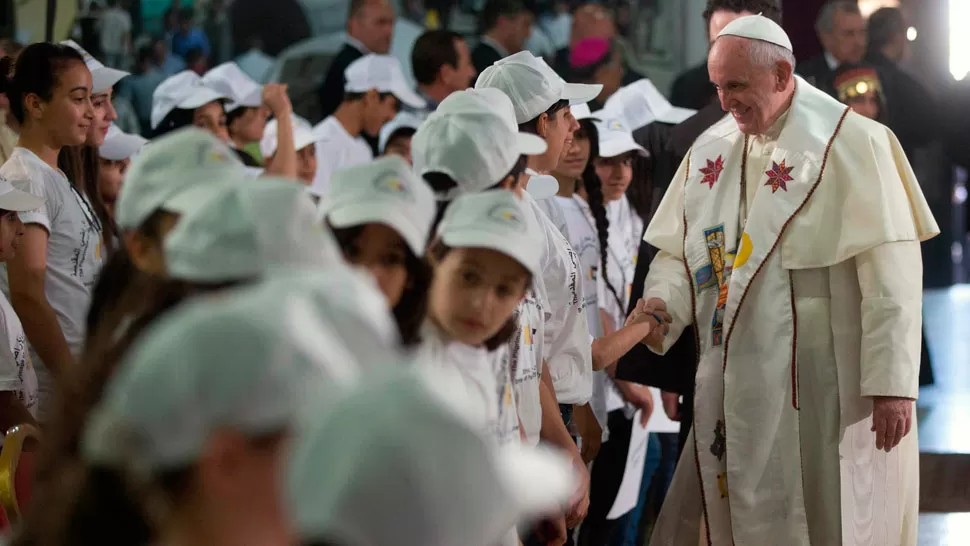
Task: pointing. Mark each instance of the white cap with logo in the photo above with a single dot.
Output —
(246, 231)
(120, 145)
(473, 138)
(496, 220)
(232, 82)
(102, 77)
(640, 103)
(247, 361)
(434, 482)
(615, 138)
(384, 191)
(383, 73)
(532, 85)
(303, 136)
(581, 112)
(184, 90)
(175, 173)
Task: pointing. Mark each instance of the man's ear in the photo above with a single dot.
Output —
(784, 73)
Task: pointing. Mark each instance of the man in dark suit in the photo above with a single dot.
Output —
(370, 26)
(505, 26)
(842, 31)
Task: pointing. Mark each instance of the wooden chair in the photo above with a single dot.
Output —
(17, 470)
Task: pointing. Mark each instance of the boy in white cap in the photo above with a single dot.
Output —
(18, 381)
(374, 91)
(114, 157)
(381, 215)
(304, 142)
(395, 136)
(435, 482)
(194, 422)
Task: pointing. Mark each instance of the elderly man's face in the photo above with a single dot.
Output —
(847, 39)
(752, 94)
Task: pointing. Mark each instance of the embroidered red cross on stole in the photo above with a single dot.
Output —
(712, 171)
(778, 175)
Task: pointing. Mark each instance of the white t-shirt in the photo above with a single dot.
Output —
(484, 376)
(73, 250)
(336, 150)
(626, 231)
(113, 25)
(16, 367)
(566, 343)
(525, 353)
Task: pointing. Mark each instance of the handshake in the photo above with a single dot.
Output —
(654, 313)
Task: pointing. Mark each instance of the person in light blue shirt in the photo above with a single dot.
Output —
(189, 37)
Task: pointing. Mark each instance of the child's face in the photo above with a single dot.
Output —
(306, 164)
(615, 173)
(400, 146)
(474, 293)
(11, 229)
(110, 176)
(383, 253)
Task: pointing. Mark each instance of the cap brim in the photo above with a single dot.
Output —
(121, 147)
(613, 149)
(529, 144)
(542, 186)
(408, 97)
(376, 213)
(253, 100)
(105, 78)
(480, 239)
(676, 115)
(20, 201)
(192, 198)
(580, 93)
(200, 97)
(539, 480)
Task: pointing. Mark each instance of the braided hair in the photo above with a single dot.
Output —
(594, 195)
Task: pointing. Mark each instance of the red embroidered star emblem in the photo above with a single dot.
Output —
(778, 175)
(712, 171)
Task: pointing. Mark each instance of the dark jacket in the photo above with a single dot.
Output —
(484, 56)
(673, 372)
(911, 110)
(332, 90)
(693, 89)
(817, 72)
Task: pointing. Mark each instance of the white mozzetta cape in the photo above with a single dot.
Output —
(802, 315)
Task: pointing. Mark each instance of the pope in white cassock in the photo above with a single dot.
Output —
(790, 239)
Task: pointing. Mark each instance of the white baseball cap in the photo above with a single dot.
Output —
(473, 138)
(532, 85)
(384, 191)
(248, 230)
(615, 138)
(640, 103)
(184, 90)
(303, 136)
(102, 77)
(13, 199)
(176, 173)
(403, 120)
(232, 82)
(247, 361)
(496, 220)
(120, 145)
(758, 27)
(383, 73)
(433, 480)
(581, 112)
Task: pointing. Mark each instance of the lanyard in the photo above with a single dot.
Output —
(86, 209)
(609, 247)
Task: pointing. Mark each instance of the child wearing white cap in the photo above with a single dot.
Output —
(187, 442)
(103, 79)
(381, 215)
(304, 142)
(346, 493)
(182, 100)
(18, 381)
(395, 136)
(374, 90)
(114, 157)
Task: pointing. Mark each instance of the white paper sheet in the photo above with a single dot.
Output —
(626, 497)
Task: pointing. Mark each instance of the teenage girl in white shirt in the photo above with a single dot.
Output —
(49, 280)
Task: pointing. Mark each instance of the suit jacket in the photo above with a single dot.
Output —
(484, 56)
(817, 72)
(693, 89)
(911, 111)
(332, 90)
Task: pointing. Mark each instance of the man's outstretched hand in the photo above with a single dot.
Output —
(892, 418)
(656, 308)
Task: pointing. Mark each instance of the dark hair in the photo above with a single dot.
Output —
(594, 194)
(532, 126)
(193, 55)
(769, 8)
(442, 184)
(35, 71)
(351, 96)
(81, 166)
(433, 50)
(236, 114)
(400, 132)
(494, 9)
(174, 120)
(409, 313)
(884, 25)
(185, 15)
(438, 251)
